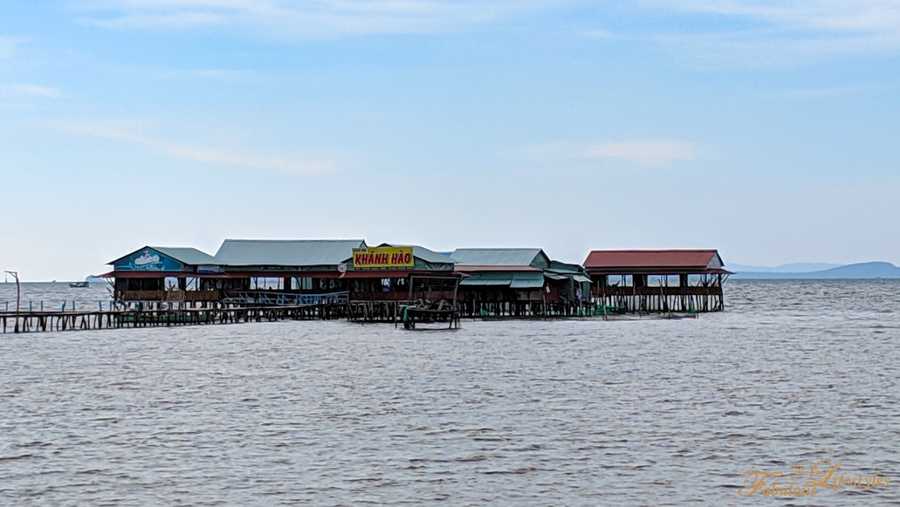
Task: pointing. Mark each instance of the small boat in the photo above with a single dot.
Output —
(79, 285)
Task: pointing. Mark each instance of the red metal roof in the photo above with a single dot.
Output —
(694, 260)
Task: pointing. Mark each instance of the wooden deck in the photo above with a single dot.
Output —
(29, 322)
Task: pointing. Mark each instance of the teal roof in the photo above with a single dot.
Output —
(528, 280)
(184, 255)
(303, 252)
(564, 267)
(190, 256)
(497, 256)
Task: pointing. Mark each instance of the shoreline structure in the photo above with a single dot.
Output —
(258, 280)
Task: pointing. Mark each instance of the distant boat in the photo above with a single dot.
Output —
(79, 285)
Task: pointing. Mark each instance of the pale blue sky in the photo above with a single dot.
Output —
(766, 129)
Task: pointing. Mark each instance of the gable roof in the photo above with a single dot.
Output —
(302, 252)
(698, 260)
(497, 256)
(184, 255)
(190, 256)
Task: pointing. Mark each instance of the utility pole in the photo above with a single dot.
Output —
(15, 275)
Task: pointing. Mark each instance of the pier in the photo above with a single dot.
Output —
(272, 280)
(55, 321)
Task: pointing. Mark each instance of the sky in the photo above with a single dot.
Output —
(766, 129)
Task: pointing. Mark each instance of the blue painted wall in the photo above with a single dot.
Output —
(148, 259)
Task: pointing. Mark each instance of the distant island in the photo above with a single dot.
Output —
(812, 271)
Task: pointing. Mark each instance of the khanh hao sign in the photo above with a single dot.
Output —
(383, 257)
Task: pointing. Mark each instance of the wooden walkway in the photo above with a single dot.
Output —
(30, 322)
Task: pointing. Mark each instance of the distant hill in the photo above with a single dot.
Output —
(862, 271)
(797, 267)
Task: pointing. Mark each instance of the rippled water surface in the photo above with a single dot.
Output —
(649, 412)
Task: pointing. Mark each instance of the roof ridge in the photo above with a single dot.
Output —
(501, 248)
(291, 240)
(659, 250)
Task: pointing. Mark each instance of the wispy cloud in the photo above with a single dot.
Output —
(293, 164)
(780, 32)
(864, 16)
(21, 90)
(648, 153)
(320, 18)
(827, 92)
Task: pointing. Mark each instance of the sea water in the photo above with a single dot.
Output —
(572, 412)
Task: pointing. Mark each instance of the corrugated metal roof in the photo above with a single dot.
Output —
(426, 255)
(564, 267)
(499, 279)
(527, 281)
(496, 256)
(185, 255)
(470, 268)
(303, 252)
(644, 259)
(190, 256)
(477, 282)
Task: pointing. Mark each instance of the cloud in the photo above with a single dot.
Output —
(30, 90)
(785, 33)
(308, 19)
(659, 153)
(863, 16)
(218, 156)
(827, 92)
(649, 153)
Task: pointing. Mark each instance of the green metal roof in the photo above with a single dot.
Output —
(252, 252)
(190, 256)
(497, 256)
(184, 255)
(473, 282)
(527, 281)
(564, 267)
(498, 279)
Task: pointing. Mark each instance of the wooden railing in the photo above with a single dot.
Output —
(657, 291)
(174, 296)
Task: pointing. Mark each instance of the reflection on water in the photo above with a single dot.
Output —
(567, 413)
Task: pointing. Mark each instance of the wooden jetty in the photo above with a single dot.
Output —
(53, 321)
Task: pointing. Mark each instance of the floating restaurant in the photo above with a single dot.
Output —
(388, 278)
(255, 280)
(519, 282)
(348, 278)
(658, 281)
(246, 272)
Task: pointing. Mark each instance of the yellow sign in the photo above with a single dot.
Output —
(383, 257)
(807, 480)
